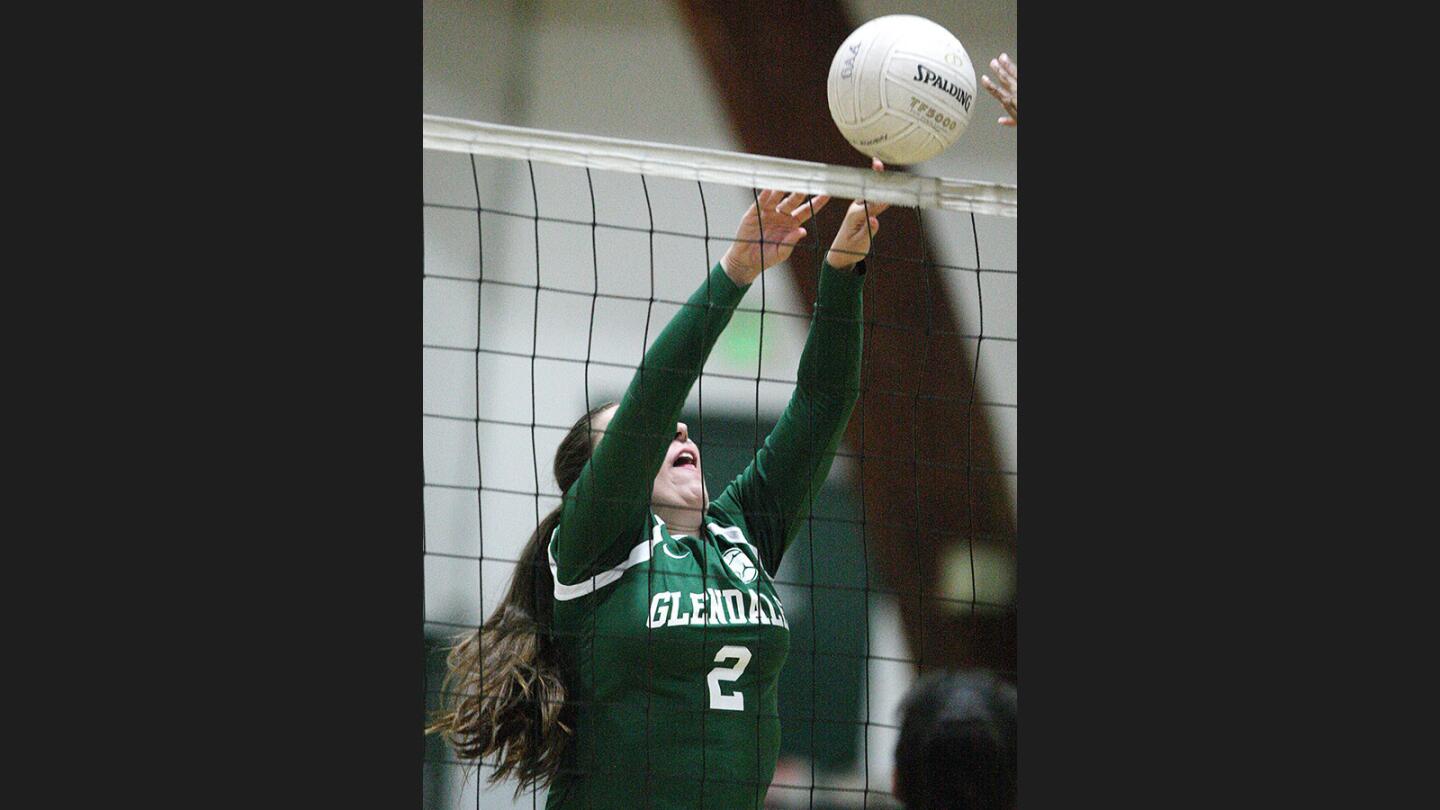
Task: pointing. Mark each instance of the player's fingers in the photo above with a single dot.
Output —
(790, 203)
(767, 199)
(1009, 66)
(793, 237)
(811, 208)
(1008, 121)
(863, 204)
(990, 86)
(872, 208)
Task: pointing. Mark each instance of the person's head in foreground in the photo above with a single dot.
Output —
(957, 743)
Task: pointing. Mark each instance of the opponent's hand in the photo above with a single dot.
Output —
(779, 216)
(1008, 90)
(861, 223)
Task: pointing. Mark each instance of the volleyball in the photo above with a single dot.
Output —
(901, 88)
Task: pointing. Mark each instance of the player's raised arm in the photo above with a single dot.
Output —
(788, 471)
(606, 510)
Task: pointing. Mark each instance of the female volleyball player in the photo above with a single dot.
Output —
(635, 659)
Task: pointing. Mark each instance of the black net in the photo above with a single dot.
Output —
(544, 286)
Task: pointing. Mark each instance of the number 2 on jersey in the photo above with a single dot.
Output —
(718, 699)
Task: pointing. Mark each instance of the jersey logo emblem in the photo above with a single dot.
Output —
(676, 556)
(740, 564)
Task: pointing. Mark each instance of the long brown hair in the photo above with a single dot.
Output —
(520, 715)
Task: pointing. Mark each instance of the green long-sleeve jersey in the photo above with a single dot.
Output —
(672, 645)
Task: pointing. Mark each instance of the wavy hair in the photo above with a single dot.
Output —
(504, 693)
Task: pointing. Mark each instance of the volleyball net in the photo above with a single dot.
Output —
(552, 261)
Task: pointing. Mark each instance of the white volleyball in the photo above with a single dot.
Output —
(901, 88)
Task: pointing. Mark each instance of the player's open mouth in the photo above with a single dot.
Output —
(685, 459)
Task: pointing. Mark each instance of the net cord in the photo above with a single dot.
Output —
(717, 166)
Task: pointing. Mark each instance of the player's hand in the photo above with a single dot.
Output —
(861, 223)
(779, 216)
(1007, 91)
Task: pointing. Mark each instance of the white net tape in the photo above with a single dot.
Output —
(716, 166)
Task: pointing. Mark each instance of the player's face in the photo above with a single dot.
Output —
(679, 481)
